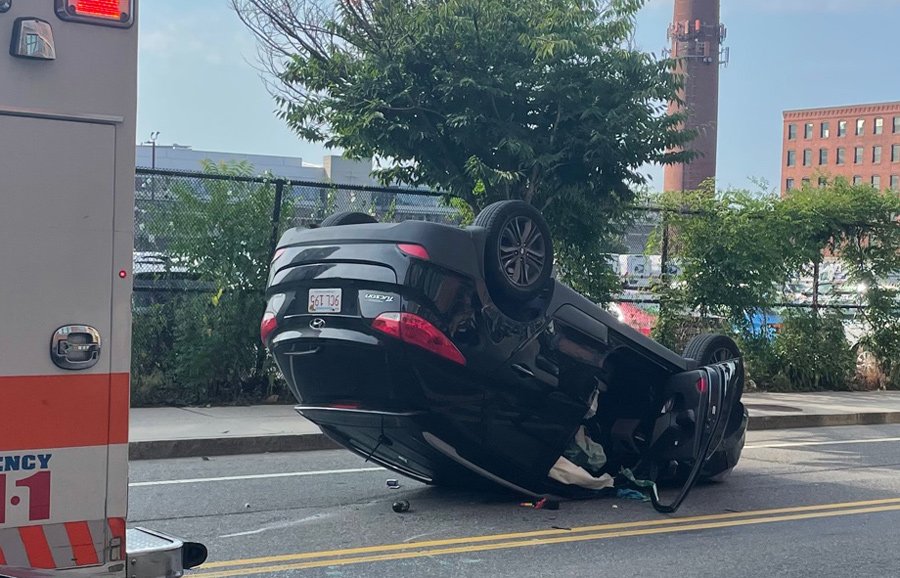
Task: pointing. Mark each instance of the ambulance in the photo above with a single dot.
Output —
(68, 93)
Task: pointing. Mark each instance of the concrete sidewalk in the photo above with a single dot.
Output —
(187, 432)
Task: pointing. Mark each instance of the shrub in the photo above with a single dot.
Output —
(813, 352)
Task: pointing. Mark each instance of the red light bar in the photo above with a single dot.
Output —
(105, 12)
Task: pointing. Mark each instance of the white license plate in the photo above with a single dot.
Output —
(324, 301)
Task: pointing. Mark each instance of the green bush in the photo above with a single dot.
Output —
(813, 353)
(762, 363)
(199, 348)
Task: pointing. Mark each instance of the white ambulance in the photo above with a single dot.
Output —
(68, 92)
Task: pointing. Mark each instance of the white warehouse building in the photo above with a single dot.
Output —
(334, 168)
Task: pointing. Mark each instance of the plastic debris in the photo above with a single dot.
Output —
(542, 504)
(392, 484)
(629, 494)
(400, 506)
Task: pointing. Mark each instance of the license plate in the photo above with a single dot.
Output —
(324, 301)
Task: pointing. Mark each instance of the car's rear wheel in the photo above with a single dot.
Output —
(518, 257)
(347, 218)
(709, 348)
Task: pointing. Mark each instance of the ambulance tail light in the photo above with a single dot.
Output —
(104, 12)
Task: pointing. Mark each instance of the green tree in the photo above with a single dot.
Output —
(541, 100)
(732, 250)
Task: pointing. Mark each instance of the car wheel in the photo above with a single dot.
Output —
(518, 258)
(347, 218)
(709, 348)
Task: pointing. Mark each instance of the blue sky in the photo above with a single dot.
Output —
(198, 84)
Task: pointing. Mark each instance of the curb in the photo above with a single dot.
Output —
(232, 446)
(767, 422)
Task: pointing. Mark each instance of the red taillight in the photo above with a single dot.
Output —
(417, 251)
(702, 386)
(414, 330)
(268, 324)
(388, 323)
(277, 254)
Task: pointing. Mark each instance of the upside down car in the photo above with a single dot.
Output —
(452, 355)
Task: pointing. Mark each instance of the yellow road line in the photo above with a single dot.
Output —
(534, 537)
(544, 541)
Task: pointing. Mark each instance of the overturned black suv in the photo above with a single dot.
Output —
(452, 355)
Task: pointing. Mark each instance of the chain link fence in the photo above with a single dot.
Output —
(202, 247)
(203, 243)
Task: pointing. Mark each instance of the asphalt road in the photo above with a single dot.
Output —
(823, 502)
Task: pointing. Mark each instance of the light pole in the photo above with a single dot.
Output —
(153, 136)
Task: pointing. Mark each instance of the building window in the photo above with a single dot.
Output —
(792, 158)
(789, 184)
(792, 131)
(876, 154)
(805, 181)
(841, 153)
(858, 155)
(860, 126)
(823, 182)
(808, 130)
(895, 182)
(825, 130)
(857, 180)
(823, 156)
(879, 125)
(842, 128)
(807, 157)
(895, 153)
(896, 124)
(876, 181)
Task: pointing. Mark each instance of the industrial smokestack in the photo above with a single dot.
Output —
(696, 36)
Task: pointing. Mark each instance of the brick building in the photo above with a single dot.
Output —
(860, 143)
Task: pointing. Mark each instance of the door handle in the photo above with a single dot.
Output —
(75, 347)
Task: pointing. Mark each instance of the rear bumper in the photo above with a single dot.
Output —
(152, 554)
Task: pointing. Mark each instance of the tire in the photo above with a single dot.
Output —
(708, 348)
(347, 218)
(518, 253)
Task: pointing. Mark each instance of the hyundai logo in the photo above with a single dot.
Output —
(317, 323)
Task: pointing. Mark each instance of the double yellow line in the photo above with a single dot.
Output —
(403, 551)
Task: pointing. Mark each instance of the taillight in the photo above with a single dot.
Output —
(108, 12)
(414, 330)
(702, 386)
(417, 251)
(268, 324)
(277, 254)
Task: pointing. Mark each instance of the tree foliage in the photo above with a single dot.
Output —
(540, 100)
(738, 250)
